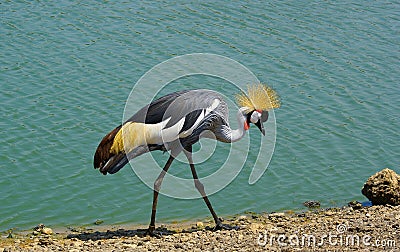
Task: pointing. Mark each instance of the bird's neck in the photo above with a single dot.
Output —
(239, 133)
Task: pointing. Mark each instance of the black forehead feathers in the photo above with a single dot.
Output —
(249, 117)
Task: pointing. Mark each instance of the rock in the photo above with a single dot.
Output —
(39, 227)
(355, 204)
(129, 246)
(279, 214)
(42, 229)
(383, 188)
(47, 231)
(329, 213)
(256, 227)
(312, 204)
(185, 238)
(45, 242)
(199, 225)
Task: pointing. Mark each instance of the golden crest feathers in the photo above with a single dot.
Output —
(259, 97)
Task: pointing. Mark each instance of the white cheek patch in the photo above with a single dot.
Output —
(255, 116)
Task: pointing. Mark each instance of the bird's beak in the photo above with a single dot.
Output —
(260, 126)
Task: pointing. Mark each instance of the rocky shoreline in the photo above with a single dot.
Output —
(350, 228)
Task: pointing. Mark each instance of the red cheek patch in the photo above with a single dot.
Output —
(246, 126)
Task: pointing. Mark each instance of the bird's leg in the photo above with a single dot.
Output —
(157, 187)
(200, 187)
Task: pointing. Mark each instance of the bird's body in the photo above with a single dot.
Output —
(177, 116)
(174, 123)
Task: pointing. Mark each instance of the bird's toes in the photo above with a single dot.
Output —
(153, 234)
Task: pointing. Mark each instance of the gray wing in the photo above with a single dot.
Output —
(188, 104)
(185, 115)
(193, 107)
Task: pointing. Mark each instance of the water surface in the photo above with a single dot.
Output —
(66, 70)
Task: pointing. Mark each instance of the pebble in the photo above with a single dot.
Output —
(277, 214)
(47, 231)
(129, 246)
(329, 213)
(200, 225)
(255, 227)
(312, 204)
(184, 239)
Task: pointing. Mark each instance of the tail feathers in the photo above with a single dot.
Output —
(116, 162)
(110, 161)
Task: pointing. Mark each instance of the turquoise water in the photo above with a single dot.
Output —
(66, 70)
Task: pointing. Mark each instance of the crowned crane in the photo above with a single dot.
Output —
(174, 123)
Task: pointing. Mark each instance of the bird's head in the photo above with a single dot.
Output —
(256, 104)
(257, 117)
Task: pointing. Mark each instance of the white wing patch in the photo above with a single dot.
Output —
(172, 133)
(213, 106)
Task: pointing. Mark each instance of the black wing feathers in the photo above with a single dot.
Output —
(154, 112)
(190, 119)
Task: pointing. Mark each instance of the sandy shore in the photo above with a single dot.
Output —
(373, 228)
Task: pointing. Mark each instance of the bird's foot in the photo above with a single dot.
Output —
(221, 226)
(151, 231)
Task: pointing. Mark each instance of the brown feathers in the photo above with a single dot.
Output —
(259, 97)
(110, 155)
(103, 153)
